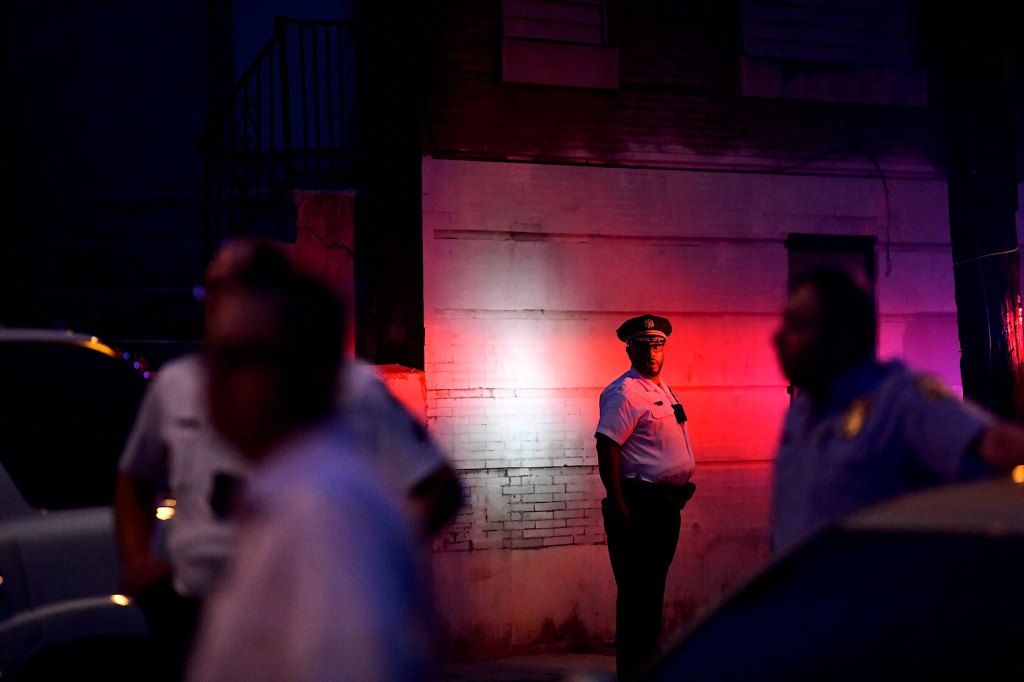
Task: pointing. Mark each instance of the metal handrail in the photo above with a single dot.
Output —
(287, 124)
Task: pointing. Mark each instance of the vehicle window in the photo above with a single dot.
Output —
(65, 413)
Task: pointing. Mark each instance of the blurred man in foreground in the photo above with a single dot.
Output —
(174, 447)
(325, 582)
(860, 431)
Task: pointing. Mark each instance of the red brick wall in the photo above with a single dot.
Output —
(676, 106)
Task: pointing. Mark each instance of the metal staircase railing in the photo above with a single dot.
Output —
(287, 124)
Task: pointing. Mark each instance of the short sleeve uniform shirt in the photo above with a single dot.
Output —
(390, 435)
(885, 431)
(172, 438)
(327, 582)
(637, 414)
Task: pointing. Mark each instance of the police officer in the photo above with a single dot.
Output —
(860, 430)
(645, 460)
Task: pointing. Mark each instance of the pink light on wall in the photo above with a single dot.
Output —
(506, 390)
(529, 269)
(1015, 342)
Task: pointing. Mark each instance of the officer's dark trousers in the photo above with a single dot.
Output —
(641, 552)
(172, 621)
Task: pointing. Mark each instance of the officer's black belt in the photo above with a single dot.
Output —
(676, 495)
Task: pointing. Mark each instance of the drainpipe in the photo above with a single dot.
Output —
(982, 185)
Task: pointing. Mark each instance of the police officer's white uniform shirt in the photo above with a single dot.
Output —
(390, 435)
(637, 414)
(327, 582)
(172, 437)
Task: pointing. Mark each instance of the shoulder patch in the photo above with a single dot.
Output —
(932, 387)
(854, 417)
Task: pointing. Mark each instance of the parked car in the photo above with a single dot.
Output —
(927, 586)
(67, 403)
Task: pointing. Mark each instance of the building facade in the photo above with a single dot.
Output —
(524, 175)
(587, 162)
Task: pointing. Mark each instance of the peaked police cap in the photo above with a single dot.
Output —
(644, 325)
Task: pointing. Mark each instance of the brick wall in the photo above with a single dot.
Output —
(551, 214)
(528, 508)
(677, 104)
(523, 297)
(528, 271)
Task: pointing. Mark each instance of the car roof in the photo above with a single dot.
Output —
(30, 334)
(988, 507)
(24, 334)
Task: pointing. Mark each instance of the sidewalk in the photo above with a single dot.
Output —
(561, 666)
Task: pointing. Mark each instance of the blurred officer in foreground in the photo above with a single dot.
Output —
(174, 447)
(645, 461)
(860, 431)
(325, 582)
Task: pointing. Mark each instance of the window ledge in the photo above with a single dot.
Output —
(833, 81)
(565, 64)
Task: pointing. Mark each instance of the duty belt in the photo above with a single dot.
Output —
(675, 495)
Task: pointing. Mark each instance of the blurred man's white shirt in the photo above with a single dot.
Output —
(326, 583)
(389, 434)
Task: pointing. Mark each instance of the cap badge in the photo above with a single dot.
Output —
(648, 323)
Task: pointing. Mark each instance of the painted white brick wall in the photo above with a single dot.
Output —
(528, 270)
(527, 507)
